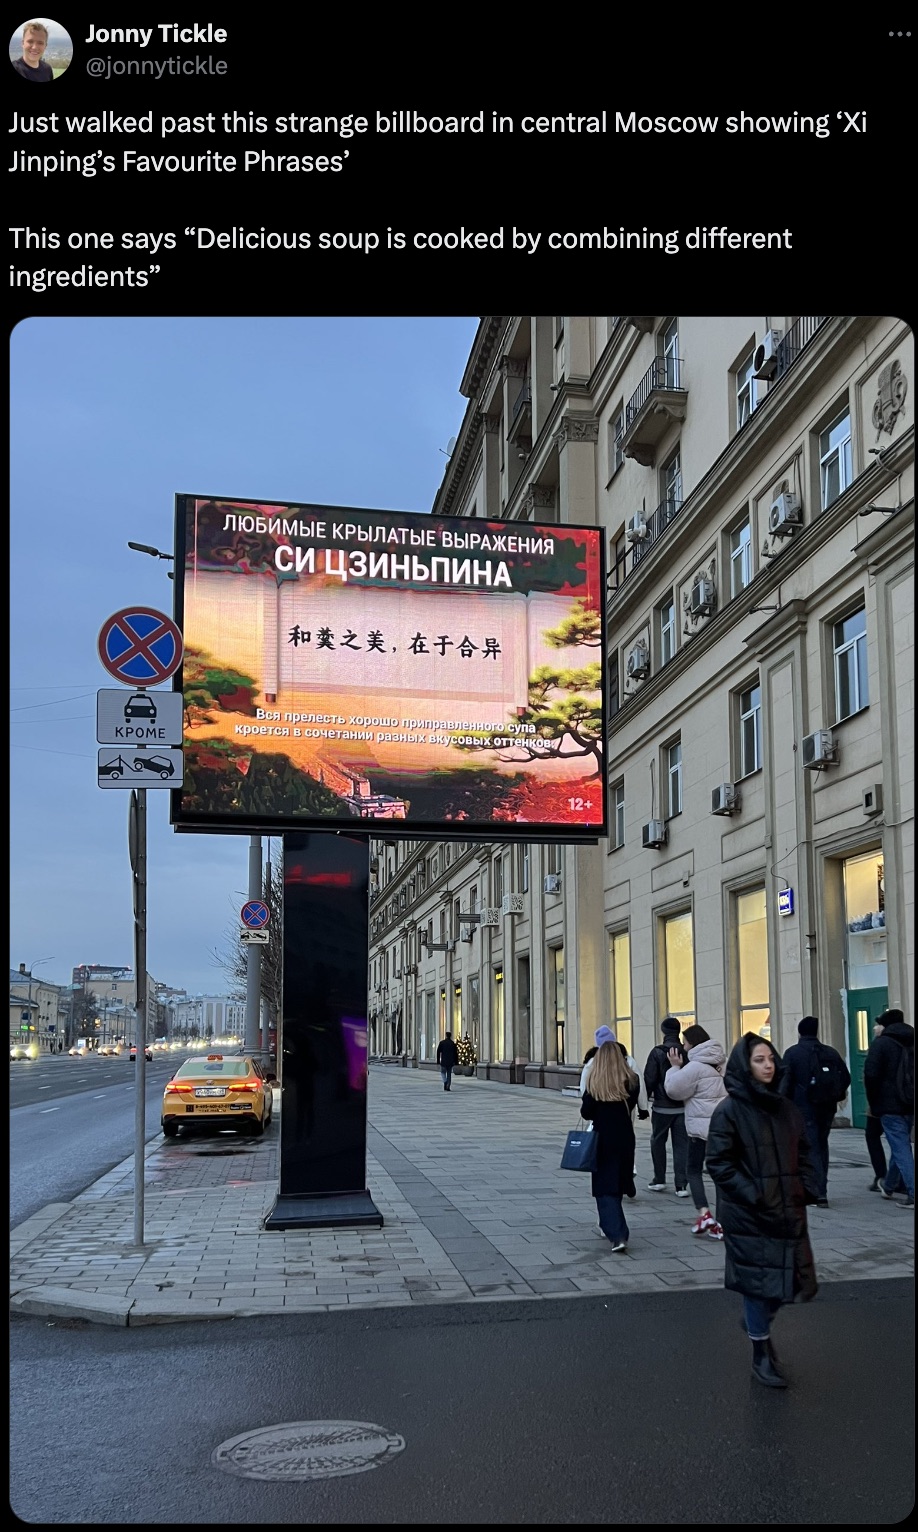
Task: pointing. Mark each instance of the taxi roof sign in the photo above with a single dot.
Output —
(211, 1056)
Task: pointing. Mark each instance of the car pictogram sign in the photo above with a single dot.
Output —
(255, 915)
(140, 646)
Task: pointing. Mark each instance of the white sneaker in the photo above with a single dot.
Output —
(656, 1186)
(682, 1191)
(620, 1248)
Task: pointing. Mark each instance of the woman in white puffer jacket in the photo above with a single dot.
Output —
(700, 1084)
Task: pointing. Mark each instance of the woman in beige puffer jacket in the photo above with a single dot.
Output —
(700, 1084)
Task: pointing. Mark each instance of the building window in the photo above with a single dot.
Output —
(752, 963)
(669, 348)
(457, 1010)
(750, 730)
(616, 432)
(849, 641)
(620, 986)
(618, 815)
(558, 1000)
(553, 858)
(672, 760)
(745, 391)
(671, 485)
(679, 967)
(498, 1015)
(498, 886)
(524, 868)
(740, 558)
(612, 688)
(428, 1044)
(666, 630)
(835, 458)
(442, 1013)
(617, 555)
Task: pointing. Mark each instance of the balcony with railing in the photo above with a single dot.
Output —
(521, 414)
(658, 400)
(790, 346)
(655, 525)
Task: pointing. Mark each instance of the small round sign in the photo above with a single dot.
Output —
(140, 646)
(255, 915)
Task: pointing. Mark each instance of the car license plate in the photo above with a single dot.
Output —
(210, 1090)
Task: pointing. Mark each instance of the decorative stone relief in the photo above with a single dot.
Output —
(892, 387)
(576, 428)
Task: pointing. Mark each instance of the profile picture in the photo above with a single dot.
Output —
(40, 50)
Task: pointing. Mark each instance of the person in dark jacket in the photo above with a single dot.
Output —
(759, 1159)
(608, 1102)
(888, 1100)
(802, 1063)
(667, 1117)
(447, 1058)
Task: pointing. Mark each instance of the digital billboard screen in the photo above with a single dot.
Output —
(436, 674)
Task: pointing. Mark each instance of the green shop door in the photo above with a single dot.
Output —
(864, 1006)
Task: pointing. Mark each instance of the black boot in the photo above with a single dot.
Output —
(763, 1365)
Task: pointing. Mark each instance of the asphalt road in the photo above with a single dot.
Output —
(71, 1120)
(637, 1409)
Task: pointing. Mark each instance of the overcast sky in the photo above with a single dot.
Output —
(110, 419)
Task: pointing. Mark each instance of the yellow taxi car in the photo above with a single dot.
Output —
(219, 1090)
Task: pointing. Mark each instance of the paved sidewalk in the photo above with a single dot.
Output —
(475, 1208)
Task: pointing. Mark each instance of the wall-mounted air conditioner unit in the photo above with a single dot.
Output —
(765, 356)
(512, 904)
(785, 516)
(637, 531)
(703, 598)
(654, 833)
(490, 915)
(724, 799)
(638, 665)
(552, 883)
(466, 934)
(819, 750)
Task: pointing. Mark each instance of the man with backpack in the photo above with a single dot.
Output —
(889, 1080)
(816, 1079)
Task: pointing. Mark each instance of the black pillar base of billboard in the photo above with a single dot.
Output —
(346, 1210)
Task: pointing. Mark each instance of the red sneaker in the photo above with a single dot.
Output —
(714, 1231)
(703, 1223)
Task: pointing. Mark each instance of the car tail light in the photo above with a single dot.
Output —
(179, 1085)
(249, 1085)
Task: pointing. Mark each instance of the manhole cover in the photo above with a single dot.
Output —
(308, 1449)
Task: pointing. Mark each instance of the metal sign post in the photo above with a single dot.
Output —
(253, 919)
(137, 842)
(140, 647)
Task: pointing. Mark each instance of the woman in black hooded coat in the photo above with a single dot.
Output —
(759, 1159)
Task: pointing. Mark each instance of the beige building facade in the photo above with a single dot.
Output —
(754, 480)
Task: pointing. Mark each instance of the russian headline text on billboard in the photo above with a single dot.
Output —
(441, 674)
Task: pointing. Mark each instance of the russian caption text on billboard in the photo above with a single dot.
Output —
(441, 674)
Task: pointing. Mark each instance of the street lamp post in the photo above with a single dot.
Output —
(30, 968)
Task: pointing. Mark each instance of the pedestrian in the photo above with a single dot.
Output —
(606, 1035)
(608, 1102)
(447, 1058)
(816, 1078)
(759, 1159)
(873, 1137)
(889, 1080)
(699, 1083)
(667, 1117)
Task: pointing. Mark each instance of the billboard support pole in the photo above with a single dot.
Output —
(253, 956)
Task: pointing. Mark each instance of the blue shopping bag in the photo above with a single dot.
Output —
(580, 1150)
